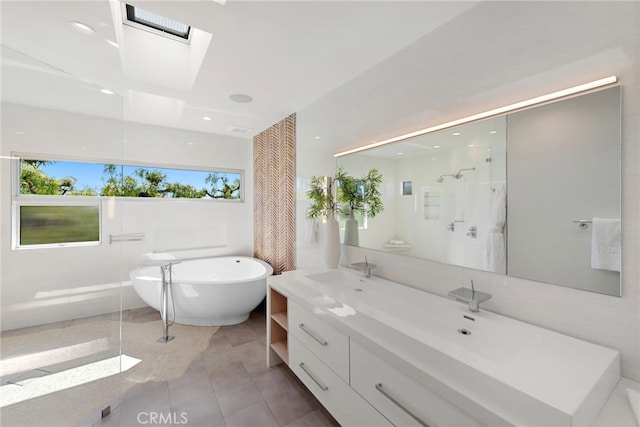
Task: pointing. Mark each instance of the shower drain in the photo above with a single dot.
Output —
(464, 331)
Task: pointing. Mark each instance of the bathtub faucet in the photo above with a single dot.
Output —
(166, 293)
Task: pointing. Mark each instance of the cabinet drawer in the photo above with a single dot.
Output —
(346, 406)
(330, 345)
(402, 400)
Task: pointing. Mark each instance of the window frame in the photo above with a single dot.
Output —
(39, 200)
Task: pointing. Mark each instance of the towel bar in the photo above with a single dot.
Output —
(584, 223)
(130, 237)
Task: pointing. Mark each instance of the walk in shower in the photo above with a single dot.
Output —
(61, 280)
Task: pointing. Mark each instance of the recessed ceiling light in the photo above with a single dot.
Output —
(207, 118)
(83, 28)
(112, 43)
(493, 131)
(470, 145)
(399, 154)
(456, 133)
(436, 146)
(106, 91)
(317, 137)
(190, 143)
(241, 98)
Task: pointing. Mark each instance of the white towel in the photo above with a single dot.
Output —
(496, 253)
(605, 244)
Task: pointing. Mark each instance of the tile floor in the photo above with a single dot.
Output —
(229, 384)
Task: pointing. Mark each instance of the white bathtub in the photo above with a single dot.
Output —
(207, 292)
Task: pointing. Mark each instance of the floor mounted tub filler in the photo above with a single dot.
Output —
(213, 291)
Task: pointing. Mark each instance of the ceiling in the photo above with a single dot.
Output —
(284, 54)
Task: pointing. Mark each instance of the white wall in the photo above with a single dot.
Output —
(47, 285)
(548, 46)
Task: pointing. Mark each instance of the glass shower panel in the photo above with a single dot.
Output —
(61, 280)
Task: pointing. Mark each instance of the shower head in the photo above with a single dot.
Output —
(459, 175)
(441, 178)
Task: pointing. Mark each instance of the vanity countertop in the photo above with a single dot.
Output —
(500, 370)
(617, 411)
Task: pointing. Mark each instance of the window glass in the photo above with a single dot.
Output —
(62, 178)
(47, 224)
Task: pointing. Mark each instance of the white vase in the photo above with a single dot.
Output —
(332, 242)
(351, 231)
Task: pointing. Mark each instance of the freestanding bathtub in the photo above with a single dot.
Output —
(206, 292)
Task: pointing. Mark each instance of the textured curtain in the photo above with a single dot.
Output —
(274, 165)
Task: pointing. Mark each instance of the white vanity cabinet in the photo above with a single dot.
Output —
(319, 356)
(346, 406)
(376, 353)
(326, 342)
(402, 400)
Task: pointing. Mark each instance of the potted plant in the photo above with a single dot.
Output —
(321, 196)
(358, 195)
(323, 204)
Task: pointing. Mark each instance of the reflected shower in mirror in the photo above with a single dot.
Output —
(455, 177)
(548, 166)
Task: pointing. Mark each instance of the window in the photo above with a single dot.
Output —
(63, 178)
(58, 203)
(46, 224)
(157, 23)
(407, 188)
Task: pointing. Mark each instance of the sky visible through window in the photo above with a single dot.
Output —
(92, 175)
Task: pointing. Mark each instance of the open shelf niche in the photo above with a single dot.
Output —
(279, 325)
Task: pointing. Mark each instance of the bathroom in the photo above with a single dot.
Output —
(99, 284)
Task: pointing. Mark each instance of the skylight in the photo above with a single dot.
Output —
(157, 22)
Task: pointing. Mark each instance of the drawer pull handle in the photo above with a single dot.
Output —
(400, 405)
(315, 380)
(312, 335)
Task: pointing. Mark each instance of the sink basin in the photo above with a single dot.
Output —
(446, 324)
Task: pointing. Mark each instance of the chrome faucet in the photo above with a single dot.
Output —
(365, 267)
(469, 296)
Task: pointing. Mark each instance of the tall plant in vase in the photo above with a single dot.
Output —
(323, 205)
(358, 195)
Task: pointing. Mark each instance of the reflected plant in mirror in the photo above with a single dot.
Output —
(358, 197)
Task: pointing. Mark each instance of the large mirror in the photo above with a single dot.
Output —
(533, 194)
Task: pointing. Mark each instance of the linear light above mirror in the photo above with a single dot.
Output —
(600, 83)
